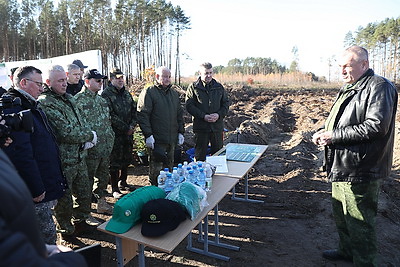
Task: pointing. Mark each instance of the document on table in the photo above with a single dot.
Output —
(219, 162)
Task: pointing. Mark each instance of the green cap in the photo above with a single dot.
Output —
(127, 210)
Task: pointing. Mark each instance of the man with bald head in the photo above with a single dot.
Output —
(74, 138)
(358, 139)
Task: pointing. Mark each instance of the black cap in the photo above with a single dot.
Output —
(93, 73)
(115, 72)
(79, 63)
(160, 216)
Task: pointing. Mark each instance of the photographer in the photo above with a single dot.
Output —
(20, 241)
(35, 154)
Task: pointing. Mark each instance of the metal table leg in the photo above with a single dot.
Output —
(246, 193)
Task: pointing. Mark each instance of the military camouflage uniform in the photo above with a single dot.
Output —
(71, 132)
(123, 117)
(95, 111)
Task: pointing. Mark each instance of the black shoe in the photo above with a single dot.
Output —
(334, 255)
(70, 238)
(81, 228)
(126, 187)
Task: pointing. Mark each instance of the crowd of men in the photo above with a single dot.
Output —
(82, 141)
(83, 138)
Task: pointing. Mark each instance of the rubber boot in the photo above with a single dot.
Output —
(114, 176)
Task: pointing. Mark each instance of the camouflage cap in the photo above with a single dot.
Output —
(117, 73)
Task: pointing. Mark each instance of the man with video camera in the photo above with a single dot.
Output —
(34, 153)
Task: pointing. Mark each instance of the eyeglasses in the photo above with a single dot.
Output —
(40, 84)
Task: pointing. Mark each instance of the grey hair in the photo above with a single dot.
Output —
(360, 52)
(55, 68)
(71, 67)
(161, 69)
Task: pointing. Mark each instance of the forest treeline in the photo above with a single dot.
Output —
(138, 34)
(251, 66)
(382, 40)
(133, 34)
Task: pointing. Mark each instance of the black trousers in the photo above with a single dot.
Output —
(202, 139)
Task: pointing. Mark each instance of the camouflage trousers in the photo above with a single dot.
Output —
(155, 166)
(44, 215)
(99, 175)
(75, 205)
(355, 207)
(121, 154)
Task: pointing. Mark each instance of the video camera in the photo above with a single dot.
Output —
(20, 121)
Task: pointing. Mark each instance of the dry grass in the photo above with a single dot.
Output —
(284, 80)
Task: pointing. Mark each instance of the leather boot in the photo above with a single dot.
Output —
(103, 207)
(123, 185)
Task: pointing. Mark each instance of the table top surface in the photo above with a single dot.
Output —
(167, 243)
(238, 169)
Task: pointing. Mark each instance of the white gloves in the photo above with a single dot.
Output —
(94, 141)
(181, 139)
(87, 145)
(150, 142)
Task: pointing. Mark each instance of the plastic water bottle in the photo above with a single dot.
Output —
(161, 179)
(208, 170)
(180, 173)
(202, 178)
(169, 183)
(166, 170)
(199, 164)
(191, 178)
(175, 177)
(195, 171)
(208, 184)
(186, 174)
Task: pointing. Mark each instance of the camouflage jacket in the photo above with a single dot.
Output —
(122, 109)
(69, 128)
(95, 111)
(160, 114)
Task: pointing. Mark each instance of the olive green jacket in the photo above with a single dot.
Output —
(69, 127)
(160, 114)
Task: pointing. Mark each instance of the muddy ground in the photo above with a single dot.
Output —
(294, 224)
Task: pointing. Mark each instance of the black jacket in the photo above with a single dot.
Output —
(36, 155)
(21, 243)
(201, 101)
(363, 134)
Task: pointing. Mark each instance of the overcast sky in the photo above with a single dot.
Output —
(222, 30)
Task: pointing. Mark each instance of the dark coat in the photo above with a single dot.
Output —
(21, 243)
(36, 155)
(363, 133)
(160, 114)
(201, 101)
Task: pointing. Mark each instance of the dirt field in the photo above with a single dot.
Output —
(294, 224)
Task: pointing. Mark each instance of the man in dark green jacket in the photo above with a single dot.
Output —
(123, 121)
(208, 103)
(160, 118)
